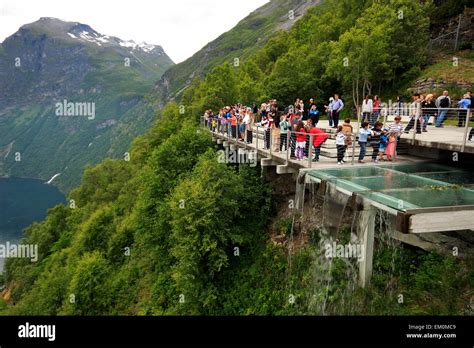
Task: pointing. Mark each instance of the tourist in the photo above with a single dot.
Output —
(267, 127)
(227, 116)
(377, 132)
(383, 145)
(347, 129)
(337, 106)
(249, 127)
(464, 104)
(213, 119)
(341, 145)
(367, 107)
(398, 106)
(328, 109)
(443, 102)
(471, 107)
(243, 124)
(233, 124)
(415, 115)
(319, 137)
(311, 103)
(396, 128)
(300, 140)
(206, 118)
(374, 116)
(314, 114)
(297, 105)
(284, 129)
(276, 134)
(294, 120)
(428, 107)
(364, 133)
(391, 147)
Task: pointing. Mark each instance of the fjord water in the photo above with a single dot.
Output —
(22, 202)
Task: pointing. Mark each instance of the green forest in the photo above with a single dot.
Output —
(172, 231)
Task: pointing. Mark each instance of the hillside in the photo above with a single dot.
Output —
(49, 61)
(250, 34)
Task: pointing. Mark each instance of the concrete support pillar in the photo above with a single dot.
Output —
(300, 189)
(366, 226)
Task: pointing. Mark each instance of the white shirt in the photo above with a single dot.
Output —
(340, 139)
(367, 106)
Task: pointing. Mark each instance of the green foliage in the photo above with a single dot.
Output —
(88, 286)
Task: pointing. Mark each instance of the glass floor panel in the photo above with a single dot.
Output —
(405, 186)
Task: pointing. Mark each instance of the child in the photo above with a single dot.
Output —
(347, 130)
(377, 132)
(383, 145)
(364, 133)
(390, 151)
(341, 145)
(300, 141)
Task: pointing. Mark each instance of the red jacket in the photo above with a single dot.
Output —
(319, 136)
(301, 135)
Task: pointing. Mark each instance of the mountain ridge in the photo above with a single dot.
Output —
(49, 61)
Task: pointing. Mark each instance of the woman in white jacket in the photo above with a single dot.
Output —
(367, 107)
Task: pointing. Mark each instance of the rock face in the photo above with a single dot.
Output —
(430, 85)
(51, 61)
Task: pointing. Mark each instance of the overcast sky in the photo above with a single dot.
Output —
(182, 27)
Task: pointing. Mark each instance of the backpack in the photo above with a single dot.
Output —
(444, 102)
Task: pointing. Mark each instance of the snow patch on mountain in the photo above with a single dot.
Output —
(99, 39)
(133, 45)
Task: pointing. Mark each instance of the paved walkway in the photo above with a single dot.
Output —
(447, 138)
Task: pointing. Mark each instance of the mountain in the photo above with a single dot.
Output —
(249, 35)
(51, 62)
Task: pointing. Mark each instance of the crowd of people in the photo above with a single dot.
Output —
(293, 128)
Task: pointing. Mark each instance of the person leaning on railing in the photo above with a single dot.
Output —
(464, 104)
(415, 117)
(319, 137)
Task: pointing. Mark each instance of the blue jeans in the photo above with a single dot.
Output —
(374, 117)
(330, 118)
(426, 118)
(363, 149)
(440, 119)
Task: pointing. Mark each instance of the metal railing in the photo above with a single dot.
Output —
(417, 116)
(286, 139)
